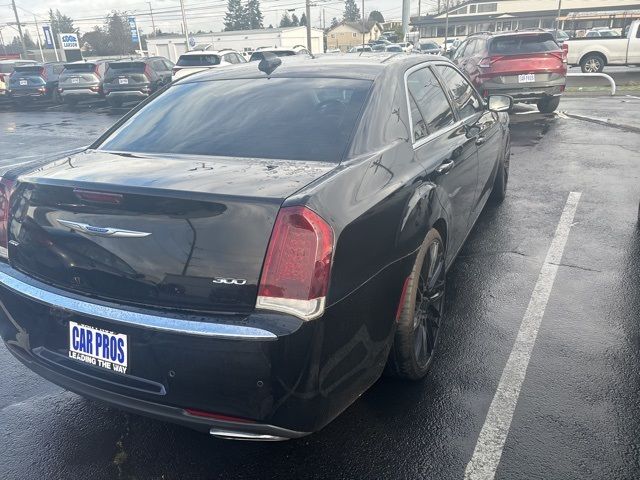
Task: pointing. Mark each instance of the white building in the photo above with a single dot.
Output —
(241, 41)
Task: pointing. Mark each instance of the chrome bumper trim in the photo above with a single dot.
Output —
(128, 317)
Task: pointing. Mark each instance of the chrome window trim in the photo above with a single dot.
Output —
(419, 143)
(128, 317)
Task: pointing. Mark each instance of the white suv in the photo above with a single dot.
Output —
(278, 51)
(200, 60)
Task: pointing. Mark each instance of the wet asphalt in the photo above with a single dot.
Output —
(578, 413)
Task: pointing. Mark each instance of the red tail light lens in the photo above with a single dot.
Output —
(216, 416)
(6, 189)
(297, 266)
(147, 72)
(565, 52)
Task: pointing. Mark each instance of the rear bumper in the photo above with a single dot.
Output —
(126, 94)
(276, 376)
(525, 92)
(30, 94)
(78, 93)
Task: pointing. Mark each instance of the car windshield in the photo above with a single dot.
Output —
(121, 68)
(204, 60)
(279, 53)
(517, 44)
(291, 119)
(428, 46)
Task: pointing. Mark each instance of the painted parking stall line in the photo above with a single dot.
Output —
(488, 450)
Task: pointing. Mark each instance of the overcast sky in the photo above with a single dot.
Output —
(201, 14)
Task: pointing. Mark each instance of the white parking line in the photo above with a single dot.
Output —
(493, 435)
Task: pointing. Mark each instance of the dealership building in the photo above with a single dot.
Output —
(499, 15)
(172, 47)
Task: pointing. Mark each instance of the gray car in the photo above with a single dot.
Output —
(82, 81)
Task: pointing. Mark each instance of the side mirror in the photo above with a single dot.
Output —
(500, 103)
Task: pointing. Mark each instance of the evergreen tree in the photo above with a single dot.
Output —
(253, 15)
(334, 22)
(376, 16)
(294, 20)
(285, 21)
(60, 24)
(303, 20)
(119, 33)
(235, 18)
(351, 11)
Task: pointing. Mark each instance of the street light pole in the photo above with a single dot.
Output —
(35, 20)
(446, 26)
(308, 15)
(15, 12)
(184, 23)
(153, 24)
(558, 16)
(364, 25)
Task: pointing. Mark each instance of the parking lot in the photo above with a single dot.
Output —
(577, 414)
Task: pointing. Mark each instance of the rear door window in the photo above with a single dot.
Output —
(464, 97)
(522, 44)
(430, 99)
(158, 65)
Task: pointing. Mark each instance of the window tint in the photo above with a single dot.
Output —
(515, 44)
(419, 125)
(465, 99)
(430, 99)
(158, 65)
(209, 118)
(168, 65)
(198, 60)
(461, 50)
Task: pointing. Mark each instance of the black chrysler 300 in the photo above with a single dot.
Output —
(246, 252)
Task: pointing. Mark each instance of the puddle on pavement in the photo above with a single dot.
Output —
(528, 130)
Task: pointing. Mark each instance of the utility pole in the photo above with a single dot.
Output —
(558, 16)
(406, 7)
(184, 23)
(153, 24)
(324, 20)
(15, 12)
(419, 7)
(35, 20)
(446, 25)
(308, 15)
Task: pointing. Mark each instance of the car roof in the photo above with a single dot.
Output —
(208, 52)
(363, 66)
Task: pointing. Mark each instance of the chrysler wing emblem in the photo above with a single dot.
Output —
(102, 231)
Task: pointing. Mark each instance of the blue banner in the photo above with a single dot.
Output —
(48, 36)
(134, 30)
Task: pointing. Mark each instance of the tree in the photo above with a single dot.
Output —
(60, 24)
(294, 20)
(97, 41)
(253, 15)
(119, 33)
(236, 17)
(303, 20)
(270, 26)
(285, 21)
(351, 11)
(30, 44)
(376, 16)
(334, 22)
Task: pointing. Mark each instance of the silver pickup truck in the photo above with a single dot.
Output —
(593, 54)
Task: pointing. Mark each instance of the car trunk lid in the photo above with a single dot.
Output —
(535, 53)
(177, 232)
(126, 76)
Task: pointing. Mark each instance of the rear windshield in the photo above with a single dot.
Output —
(279, 53)
(8, 67)
(121, 68)
(289, 119)
(29, 69)
(198, 60)
(515, 44)
(80, 67)
(428, 46)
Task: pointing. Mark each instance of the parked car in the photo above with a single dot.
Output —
(601, 32)
(529, 66)
(427, 46)
(361, 49)
(82, 81)
(450, 45)
(35, 83)
(197, 61)
(278, 51)
(406, 46)
(593, 54)
(560, 36)
(394, 47)
(378, 47)
(6, 69)
(135, 80)
(253, 289)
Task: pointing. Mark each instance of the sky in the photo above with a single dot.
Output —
(201, 14)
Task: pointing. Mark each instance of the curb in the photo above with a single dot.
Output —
(606, 123)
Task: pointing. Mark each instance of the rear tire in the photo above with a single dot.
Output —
(548, 105)
(114, 103)
(592, 63)
(421, 313)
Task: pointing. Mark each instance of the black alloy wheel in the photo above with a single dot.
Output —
(421, 312)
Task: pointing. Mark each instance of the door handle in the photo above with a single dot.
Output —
(445, 167)
(480, 140)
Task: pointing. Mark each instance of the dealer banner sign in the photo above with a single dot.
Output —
(69, 41)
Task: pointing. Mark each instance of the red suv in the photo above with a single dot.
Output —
(529, 66)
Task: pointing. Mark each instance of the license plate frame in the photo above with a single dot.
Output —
(527, 78)
(123, 81)
(75, 80)
(87, 345)
(23, 83)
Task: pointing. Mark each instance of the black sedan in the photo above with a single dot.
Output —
(248, 250)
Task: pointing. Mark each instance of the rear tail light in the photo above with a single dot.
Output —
(94, 88)
(147, 72)
(6, 189)
(216, 416)
(565, 52)
(43, 73)
(488, 62)
(297, 266)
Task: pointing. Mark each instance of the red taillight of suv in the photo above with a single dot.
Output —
(565, 52)
(297, 266)
(147, 72)
(6, 189)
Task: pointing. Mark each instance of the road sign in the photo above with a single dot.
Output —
(134, 30)
(48, 36)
